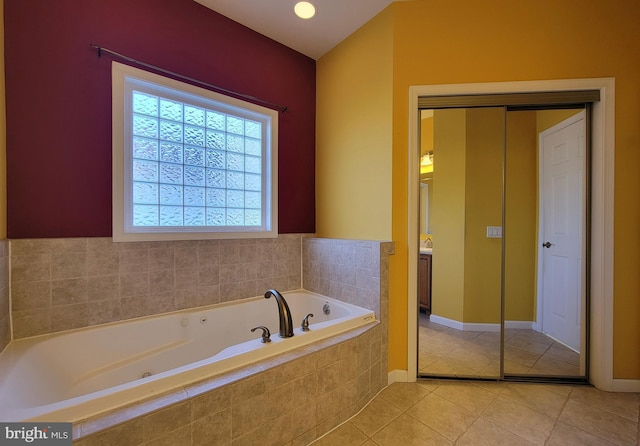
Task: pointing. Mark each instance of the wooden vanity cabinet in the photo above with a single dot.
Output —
(424, 282)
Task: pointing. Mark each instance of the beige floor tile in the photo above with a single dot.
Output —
(347, 435)
(470, 358)
(519, 419)
(407, 431)
(536, 397)
(600, 423)
(564, 354)
(491, 370)
(437, 346)
(549, 366)
(519, 356)
(523, 343)
(535, 336)
(473, 397)
(567, 435)
(513, 368)
(375, 416)
(562, 389)
(626, 405)
(441, 415)
(495, 387)
(447, 367)
(483, 432)
(405, 395)
(461, 335)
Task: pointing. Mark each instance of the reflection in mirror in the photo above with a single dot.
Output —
(460, 321)
(526, 169)
(545, 243)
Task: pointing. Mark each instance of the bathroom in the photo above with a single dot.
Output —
(39, 36)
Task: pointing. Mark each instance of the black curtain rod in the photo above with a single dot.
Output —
(281, 108)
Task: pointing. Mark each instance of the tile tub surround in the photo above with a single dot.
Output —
(61, 284)
(353, 271)
(288, 400)
(68, 283)
(5, 324)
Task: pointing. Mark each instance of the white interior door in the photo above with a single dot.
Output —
(562, 222)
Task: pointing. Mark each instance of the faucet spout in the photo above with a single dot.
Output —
(286, 325)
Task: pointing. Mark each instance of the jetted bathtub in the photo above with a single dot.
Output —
(72, 375)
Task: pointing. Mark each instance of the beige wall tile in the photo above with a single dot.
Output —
(103, 262)
(214, 429)
(30, 295)
(67, 265)
(30, 267)
(134, 284)
(31, 322)
(180, 436)
(68, 291)
(67, 317)
(134, 260)
(103, 287)
(166, 420)
(161, 258)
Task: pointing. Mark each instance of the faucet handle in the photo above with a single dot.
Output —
(305, 322)
(266, 334)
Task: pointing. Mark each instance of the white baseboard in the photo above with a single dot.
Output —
(474, 326)
(626, 385)
(451, 323)
(397, 376)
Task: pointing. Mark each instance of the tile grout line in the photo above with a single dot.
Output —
(351, 418)
(557, 420)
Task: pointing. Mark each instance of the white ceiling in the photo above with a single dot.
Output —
(334, 20)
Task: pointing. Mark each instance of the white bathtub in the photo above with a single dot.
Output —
(76, 374)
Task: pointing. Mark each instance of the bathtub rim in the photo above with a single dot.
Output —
(66, 413)
(97, 423)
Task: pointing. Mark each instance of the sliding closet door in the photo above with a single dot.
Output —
(459, 334)
(546, 243)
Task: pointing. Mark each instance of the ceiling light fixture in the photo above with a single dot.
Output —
(304, 10)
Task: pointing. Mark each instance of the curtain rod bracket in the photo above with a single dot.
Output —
(281, 108)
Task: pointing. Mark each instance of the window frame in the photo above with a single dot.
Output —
(123, 78)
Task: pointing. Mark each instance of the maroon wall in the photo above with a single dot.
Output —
(59, 102)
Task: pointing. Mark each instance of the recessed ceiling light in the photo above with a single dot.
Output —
(305, 10)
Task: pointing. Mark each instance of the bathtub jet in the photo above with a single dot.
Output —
(286, 324)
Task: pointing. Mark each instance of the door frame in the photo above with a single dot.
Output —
(602, 201)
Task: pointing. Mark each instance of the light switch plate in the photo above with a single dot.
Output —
(494, 231)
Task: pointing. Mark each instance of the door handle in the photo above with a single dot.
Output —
(547, 245)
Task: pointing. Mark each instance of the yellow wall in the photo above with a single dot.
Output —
(353, 143)
(466, 283)
(447, 224)
(492, 41)
(3, 135)
(498, 40)
(521, 215)
(483, 207)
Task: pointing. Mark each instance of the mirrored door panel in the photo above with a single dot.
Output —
(503, 242)
(461, 246)
(545, 243)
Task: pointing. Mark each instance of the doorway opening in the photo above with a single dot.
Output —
(485, 330)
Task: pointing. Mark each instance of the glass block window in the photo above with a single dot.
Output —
(193, 161)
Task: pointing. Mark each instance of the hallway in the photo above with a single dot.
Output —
(491, 413)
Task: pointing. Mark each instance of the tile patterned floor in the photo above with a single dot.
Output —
(451, 352)
(466, 413)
